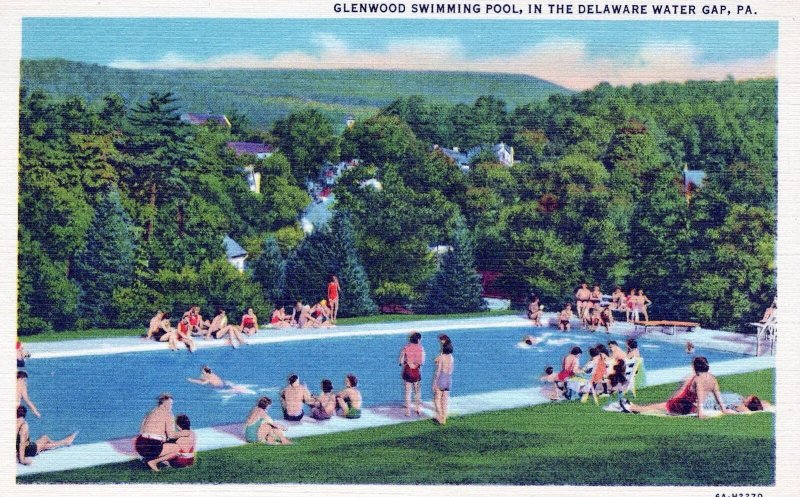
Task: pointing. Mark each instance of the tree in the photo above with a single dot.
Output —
(107, 261)
(356, 299)
(307, 139)
(269, 270)
(456, 287)
(382, 139)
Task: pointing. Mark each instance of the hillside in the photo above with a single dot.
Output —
(266, 95)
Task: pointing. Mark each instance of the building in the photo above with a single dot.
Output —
(260, 150)
(203, 119)
(349, 121)
(504, 154)
(234, 252)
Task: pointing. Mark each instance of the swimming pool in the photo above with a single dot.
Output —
(106, 396)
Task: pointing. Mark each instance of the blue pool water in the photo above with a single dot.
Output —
(106, 396)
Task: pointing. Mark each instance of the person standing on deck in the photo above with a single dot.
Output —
(334, 289)
(412, 357)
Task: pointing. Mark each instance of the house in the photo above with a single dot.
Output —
(349, 121)
(504, 154)
(202, 119)
(373, 182)
(692, 180)
(234, 253)
(260, 150)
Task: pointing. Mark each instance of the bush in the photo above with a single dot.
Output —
(394, 293)
(135, 305)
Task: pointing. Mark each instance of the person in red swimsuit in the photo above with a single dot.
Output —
(178, 452)
(249, 322)
(570, 365)
(690, 397)
(333, 297)
(195, 319)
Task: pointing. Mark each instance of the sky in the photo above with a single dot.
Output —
(574, 54)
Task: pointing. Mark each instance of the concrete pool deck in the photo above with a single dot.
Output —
(230, 435)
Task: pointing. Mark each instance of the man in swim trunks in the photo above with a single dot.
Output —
(156, 429)
(178, 453)
(412, 357)
(349, 399)
(564, 317)
(293, 397)
(583, 297)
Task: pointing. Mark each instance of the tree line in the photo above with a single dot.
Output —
(123, 207)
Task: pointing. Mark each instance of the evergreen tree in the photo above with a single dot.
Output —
(107, 261)
(330, 250)
(456, 287)
(356, 299)
(269, 270)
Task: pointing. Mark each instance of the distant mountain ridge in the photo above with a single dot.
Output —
(265, 95)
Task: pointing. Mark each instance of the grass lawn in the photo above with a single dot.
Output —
(565, 443)
(380, 318)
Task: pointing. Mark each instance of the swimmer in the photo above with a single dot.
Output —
(689, 347)
(208, 377)
(529, 341)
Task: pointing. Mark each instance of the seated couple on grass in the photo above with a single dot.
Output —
(700, 394)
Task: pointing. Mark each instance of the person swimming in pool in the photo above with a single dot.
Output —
(260, 428)
(528, 341)
(349, 399)
(208, 377)
(293, 397)
(443, 382)
(179, 451)
(26, 449)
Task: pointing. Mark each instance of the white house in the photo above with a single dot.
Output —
(234, 252)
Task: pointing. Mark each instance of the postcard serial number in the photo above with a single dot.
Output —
(740, 494)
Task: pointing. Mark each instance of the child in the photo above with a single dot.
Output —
(564, 317)
(551, 388)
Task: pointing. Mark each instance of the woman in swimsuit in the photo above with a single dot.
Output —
(618, 300)
(26, 449)
(178, 452)
(633, 353)
(630, 303)
(260, 428)
(533, 307)
(570, 365)
(279, 319)
(325, 406)
(22, 392)
(21, 355)
(334, 289)
(443, 381)
(596, 297)
(249, 322)
(182, 334)
(691, 396)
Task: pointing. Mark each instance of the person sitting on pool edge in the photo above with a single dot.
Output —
(27, 449)
(260, 428)
(179, 451)
(349, 399)
(293, 397)
(325, 405)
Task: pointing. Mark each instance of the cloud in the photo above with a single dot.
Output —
(565, 61)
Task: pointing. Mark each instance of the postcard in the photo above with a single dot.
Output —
(399, 247)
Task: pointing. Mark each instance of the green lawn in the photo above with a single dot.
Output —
(380, 318)
(566, 443)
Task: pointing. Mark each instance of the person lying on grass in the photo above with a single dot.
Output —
(179, 451)
(691, 396)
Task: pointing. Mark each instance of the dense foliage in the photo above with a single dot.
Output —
(596, 194)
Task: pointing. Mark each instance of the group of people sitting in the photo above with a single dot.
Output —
(304, 316)
(609, 370)
(192, 324)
